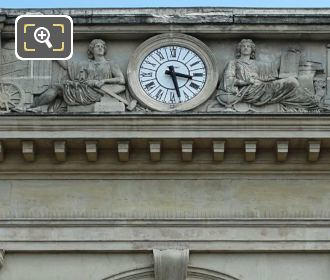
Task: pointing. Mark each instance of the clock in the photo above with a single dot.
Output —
(172, 72)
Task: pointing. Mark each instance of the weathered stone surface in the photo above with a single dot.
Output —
(314, 148)
(28, 150)
(282, 149)
(123, 150)
(87, 205)
(60, 150)
(210, 21)
(171, 264)
(203, 265)
(187, 148)
(183, 15)
(91, 150)
(155, 150)
(258, 85)
(218, 150)
(2, 258)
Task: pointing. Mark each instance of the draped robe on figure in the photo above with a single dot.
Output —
(76, 90)
(270, 90)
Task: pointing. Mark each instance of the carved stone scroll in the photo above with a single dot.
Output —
(171, 264)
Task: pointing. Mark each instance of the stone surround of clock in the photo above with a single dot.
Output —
(195, 72)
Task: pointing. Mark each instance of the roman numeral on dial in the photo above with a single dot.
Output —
(193, 85)
(150, 86)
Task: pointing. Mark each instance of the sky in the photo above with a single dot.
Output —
(161, 3)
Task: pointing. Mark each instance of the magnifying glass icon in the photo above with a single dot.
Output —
(41, 35)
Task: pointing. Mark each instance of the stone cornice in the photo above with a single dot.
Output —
(164, 126)
(216, 23)
(166, 222)
(95, 16)
(256, 136)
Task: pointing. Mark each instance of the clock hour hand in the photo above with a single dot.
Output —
(175, 81)
(179, 74)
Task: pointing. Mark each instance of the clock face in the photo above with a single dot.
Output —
(172, 72)
(172, 65)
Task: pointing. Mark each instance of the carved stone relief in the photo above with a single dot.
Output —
(320, 86)
(284, 85)
(93, 86)
(290, 83)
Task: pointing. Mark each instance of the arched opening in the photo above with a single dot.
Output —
(147, 273)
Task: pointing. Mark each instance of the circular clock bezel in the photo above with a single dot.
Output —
(180, 40)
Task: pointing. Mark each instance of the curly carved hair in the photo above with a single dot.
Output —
(91, 47)
(239, 46)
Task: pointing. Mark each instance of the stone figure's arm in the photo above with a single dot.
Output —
(118, 76)
(241, 83)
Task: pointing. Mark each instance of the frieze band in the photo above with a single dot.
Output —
(171, 72)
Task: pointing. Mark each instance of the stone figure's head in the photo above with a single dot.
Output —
(97, 47)
(246, 46)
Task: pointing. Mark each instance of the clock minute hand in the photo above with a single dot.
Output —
(175, 81)
(179, 74)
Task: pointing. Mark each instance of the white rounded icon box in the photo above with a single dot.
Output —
(43, 37)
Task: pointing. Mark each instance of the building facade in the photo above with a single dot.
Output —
(188, 143)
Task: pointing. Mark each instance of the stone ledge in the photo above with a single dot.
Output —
(183, 15)
(164, 126)
(168, 222)
(210, 239)
(145, 246)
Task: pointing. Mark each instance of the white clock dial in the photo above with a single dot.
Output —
(172, 72)
(157, 80)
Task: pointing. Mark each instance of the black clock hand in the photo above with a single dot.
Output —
(179, 74)
(175, 81)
